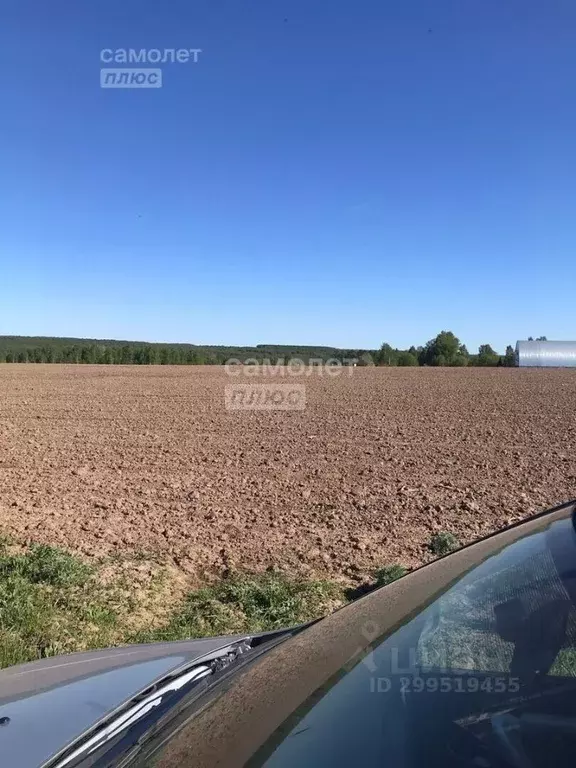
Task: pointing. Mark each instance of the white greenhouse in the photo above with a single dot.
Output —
(546, 354)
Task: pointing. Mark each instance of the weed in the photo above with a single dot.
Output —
(388, 574)
(442, 543)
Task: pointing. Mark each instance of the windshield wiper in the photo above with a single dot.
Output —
(144, 713)
(153, 700)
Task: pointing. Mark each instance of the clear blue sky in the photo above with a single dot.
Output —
(328, 172)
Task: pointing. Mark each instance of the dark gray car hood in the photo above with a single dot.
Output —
(50, 703)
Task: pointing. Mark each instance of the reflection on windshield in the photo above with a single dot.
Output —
(461, 627)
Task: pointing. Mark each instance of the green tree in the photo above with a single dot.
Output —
(35, 355)
(386, 355)
(106, 356)
(445, 349)
(70, 354)
(87, 355)
(366, 359)
(407, 359)
(139, 356)
(463, 356)
(510, 357)
(487, 356)
(125, 355)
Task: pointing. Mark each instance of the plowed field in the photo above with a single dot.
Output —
(104, 459)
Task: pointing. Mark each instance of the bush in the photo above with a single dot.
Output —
(444, 542)
(388, 574)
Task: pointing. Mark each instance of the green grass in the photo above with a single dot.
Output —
(44, 565)
(49, 605)
(444, 542)
(52, 603)
(248, 603)
(388, 574)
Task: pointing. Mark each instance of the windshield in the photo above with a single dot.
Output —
(484, 675)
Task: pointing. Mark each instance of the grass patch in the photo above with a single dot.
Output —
(44, 565)
(51, 603)
(444, 542)
(246, 603)
(388, 574)
(380, 578)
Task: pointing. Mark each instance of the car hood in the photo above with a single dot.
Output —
(47, 704)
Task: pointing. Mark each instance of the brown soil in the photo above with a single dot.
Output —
(106, 460)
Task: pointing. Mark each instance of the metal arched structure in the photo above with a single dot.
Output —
(546, 354)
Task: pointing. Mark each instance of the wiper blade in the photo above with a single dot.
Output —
(150, 699)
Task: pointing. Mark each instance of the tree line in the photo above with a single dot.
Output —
(445, 349)
(27, 349)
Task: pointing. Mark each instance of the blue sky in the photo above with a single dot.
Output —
(328, 172)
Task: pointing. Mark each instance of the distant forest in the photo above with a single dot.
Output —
(443, 350)
(46, 349)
